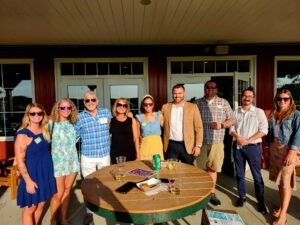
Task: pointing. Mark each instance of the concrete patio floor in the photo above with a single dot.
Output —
(10, 214)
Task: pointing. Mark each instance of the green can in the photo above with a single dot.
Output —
(156, 162)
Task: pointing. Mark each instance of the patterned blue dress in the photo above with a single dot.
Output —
(40, 169)
(63, 151)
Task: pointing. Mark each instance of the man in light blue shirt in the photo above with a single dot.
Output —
(93, 128)
(250, 126)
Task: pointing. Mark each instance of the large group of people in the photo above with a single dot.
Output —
(192, 132)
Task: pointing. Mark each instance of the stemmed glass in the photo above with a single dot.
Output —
(120, 174)
(120, 161)
(173, 179)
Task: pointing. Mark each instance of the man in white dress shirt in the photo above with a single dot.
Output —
(250, 126)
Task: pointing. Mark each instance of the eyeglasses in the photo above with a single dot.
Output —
(90, 100)
(210, 87)
(65, 107)
(122, 105)
(279, 99)
(36, 113)
(147, 104)
(247, 96)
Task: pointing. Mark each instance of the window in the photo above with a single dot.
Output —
(288, 75)
(15, 93)
(103, 68)
(209, 66)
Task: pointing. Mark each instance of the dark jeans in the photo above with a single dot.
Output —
(252, 154)
(177, 150)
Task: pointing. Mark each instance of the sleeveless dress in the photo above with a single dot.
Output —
(151, 138)
(122, 140)
(40, 168)
(63, 149)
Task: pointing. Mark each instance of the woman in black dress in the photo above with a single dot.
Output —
(124, 131)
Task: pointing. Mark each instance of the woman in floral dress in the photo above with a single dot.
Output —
(283, 142)
(64, 157)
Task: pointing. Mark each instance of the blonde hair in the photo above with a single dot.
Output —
(43, 124)
(114, 108)
(291, 109)
(55, 116)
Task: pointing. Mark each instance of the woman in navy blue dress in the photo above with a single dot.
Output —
(34, 161)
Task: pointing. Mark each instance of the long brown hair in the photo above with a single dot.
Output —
(43, 124)
(291, 108)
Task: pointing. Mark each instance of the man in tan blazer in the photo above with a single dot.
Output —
(183, 131)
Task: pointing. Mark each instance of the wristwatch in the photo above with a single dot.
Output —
(222, 126)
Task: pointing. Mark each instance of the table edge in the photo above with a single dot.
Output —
(142, 218)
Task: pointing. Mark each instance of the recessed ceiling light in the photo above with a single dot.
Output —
(145, 2)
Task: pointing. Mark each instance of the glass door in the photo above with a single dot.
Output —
(241, 82)
(76, 88)
(194, 87)
(132, 89)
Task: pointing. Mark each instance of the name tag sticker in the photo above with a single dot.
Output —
(103, 120)
(38, 140)
(220, 106)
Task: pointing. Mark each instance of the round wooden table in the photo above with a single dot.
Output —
(135, 207)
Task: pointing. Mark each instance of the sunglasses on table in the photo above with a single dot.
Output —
(147, 104)
(211, 87)
(90, 100)
(65, 107)
(279, 99)
(122, 105)
(36, 113)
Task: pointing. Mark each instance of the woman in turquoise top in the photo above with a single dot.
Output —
(150, 123)
(64, 156)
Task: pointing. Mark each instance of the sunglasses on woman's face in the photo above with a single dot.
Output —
(279, 99)
(65, 107)
(90, 100)
(36, 113)
(122, 105)
(147, 104)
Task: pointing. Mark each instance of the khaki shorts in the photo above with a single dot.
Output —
(212, 156)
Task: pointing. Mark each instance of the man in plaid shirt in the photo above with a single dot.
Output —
(93, 128)
(216, 115)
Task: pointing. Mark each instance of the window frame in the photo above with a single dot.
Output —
(31, 66)
(282, 58)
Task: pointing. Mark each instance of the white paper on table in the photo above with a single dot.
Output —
(159, 188)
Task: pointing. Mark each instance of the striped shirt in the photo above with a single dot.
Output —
(217, 110)
(94, 133)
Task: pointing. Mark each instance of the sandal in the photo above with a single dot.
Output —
(276, 212)
(279, 221)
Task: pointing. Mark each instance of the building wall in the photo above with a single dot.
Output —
(44, 65)
(157, 55)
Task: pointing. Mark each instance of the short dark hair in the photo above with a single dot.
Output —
(250, 88)
(178, 86)
(211, 81)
